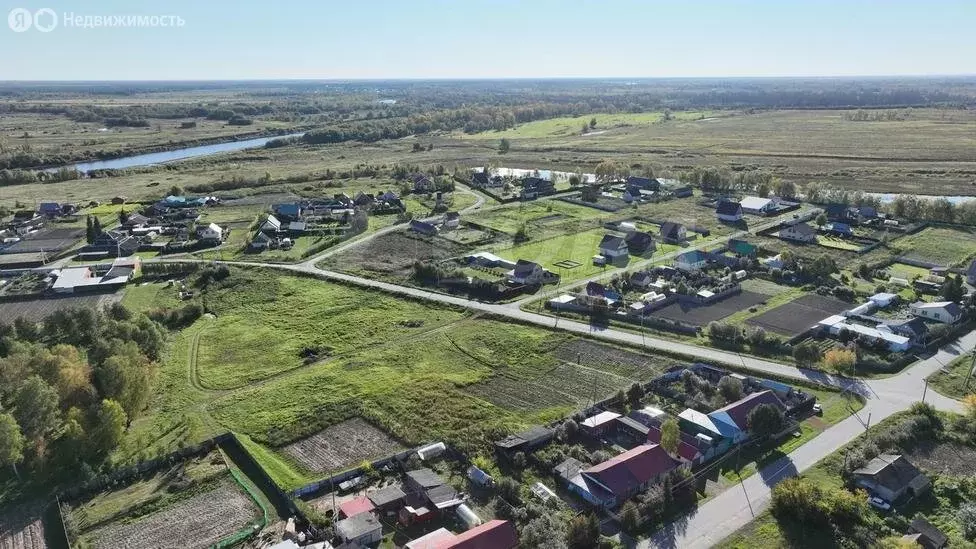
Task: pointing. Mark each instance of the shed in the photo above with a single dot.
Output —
(363, 528)
(388, 497)
(353, 507)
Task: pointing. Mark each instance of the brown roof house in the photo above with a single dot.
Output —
(891, 477)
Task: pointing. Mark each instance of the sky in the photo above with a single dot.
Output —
(379, 39)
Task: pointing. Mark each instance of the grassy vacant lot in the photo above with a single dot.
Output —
(268, 324)
(417, 372)
(951, 381)
(578, 247)
(947, 247)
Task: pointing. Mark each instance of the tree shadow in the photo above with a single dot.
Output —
(775, 467)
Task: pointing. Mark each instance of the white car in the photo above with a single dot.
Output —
(818, 409)
(879, 503)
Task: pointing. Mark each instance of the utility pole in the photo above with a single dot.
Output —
(925, 389)
(970, 375)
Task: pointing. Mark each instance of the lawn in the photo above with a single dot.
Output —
(908, 272)
(838, 243)
(942, 246)
(952, 380)
(578, 247)
(541, 217)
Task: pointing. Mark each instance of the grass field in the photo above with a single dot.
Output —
(567, 126)
(908, 272)
(268, 324)
(578, 247)
(837, 243)
(951, 381)
(419, 373)
(946, 247)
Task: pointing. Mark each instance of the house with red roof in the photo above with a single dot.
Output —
(688, 451)
(633, 471)
(736, 415)
(355, 506)
(495, 534)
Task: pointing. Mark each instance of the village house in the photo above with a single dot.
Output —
(483, 180)
(599, 424)
(113, 244)
(683, 191)
(692, 260)
(620, 478)
(631, 194)
(135, 220)
(288, 212)
(613, 248)
(423, 227)
(895, 342)
(72, 280)
(728, 211)
(688, 452)
(798, 232)
(211, 233)
(534, 187)
(947, 312)
(422, 184)
(530, 273)
(673, 233)
(271, 225)
(742, 248)
(639, 242)
(261, 241)
(644, 183)
(641, 279)
(757, 206)
(891, 477)
(451, 220)
(839, 229)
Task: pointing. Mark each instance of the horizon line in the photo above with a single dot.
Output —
(494, 78)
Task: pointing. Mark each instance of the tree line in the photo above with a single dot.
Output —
(70, 386)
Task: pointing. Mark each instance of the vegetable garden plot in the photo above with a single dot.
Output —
(194, 523)
(341, 445)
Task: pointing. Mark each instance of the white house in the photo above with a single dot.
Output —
(798, 232)
(947, 312)
(613, 247)
(526, 272)
(211, 232)
(272, 225)
(757, 206)
(693, 260)
(836, 323)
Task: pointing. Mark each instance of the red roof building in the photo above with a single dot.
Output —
(356, 506)
(632, 471)
(495, 534)
(687, 450)
(739, 410)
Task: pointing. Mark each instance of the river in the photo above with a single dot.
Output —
(177, 154)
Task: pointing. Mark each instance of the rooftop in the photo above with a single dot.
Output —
(632, 468)
(600, 419)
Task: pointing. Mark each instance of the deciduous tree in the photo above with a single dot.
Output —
(36, 408)
(670, 436)
(11, 441)
(765, 420)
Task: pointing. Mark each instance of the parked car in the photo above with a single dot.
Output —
(879, 503)
(818, 409)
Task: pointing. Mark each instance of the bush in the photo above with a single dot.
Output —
(967, 520)
(807, 353)
(840, 360)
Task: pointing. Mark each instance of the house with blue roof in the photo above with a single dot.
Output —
(694, 260)
(839, 229)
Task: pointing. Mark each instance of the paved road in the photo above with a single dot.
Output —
(737, 506)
